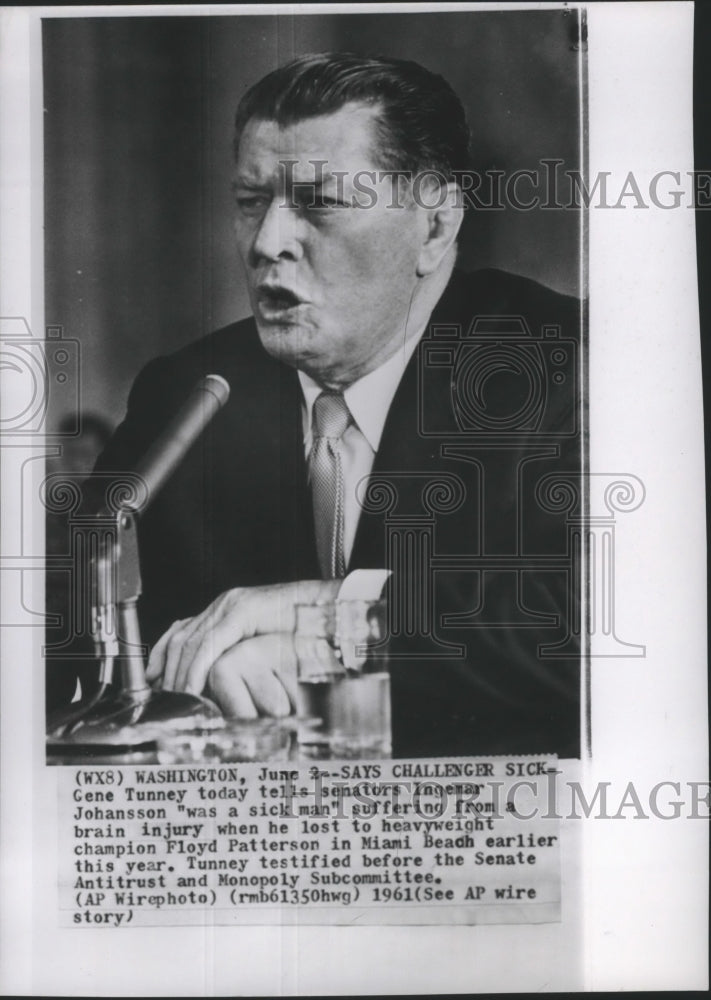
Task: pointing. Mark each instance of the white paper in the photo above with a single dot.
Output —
(635, 903)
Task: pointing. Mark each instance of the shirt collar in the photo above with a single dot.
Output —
(368, 399)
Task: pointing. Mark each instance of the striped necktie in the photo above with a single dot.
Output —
(331, 417)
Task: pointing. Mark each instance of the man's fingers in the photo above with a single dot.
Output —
(156, 661)
(255, 677)
(268, 670)
(221, 625)
(230, 693)
(188, 632)
(286, 665)
(203, 648)
(208, 635)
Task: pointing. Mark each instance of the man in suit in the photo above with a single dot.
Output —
(385, 412)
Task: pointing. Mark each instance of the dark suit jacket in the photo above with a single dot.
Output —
(481, 411)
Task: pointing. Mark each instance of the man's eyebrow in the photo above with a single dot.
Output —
(317, 184)
(251, 185)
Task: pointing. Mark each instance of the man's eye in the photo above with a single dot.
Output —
(250, 204)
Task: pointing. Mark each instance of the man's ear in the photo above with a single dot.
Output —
(443, 217)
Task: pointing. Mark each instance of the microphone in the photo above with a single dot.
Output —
(115, 582)
(110, 596)
(168, 450)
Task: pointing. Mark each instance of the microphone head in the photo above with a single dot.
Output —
(217, 385)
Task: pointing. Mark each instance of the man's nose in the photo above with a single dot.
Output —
(278, 235)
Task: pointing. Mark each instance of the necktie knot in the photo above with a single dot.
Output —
(331, 416)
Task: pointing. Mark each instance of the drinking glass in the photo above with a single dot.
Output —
(343, 690)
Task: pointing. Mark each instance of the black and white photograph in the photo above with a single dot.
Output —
(349, 355)
(384, 227)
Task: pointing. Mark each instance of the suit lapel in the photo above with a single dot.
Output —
(402, 451)
(298, 532)
(405, 448)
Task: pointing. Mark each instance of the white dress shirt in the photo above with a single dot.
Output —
(368, 400)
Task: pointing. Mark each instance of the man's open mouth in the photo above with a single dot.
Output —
(277, 298)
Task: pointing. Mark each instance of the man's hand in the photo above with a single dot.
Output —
(242, 641)
(255, 677)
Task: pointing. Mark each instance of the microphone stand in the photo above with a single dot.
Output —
(131, 713)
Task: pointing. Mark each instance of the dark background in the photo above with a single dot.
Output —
(140, 257)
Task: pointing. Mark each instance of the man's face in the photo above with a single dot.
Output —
(330, 286)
